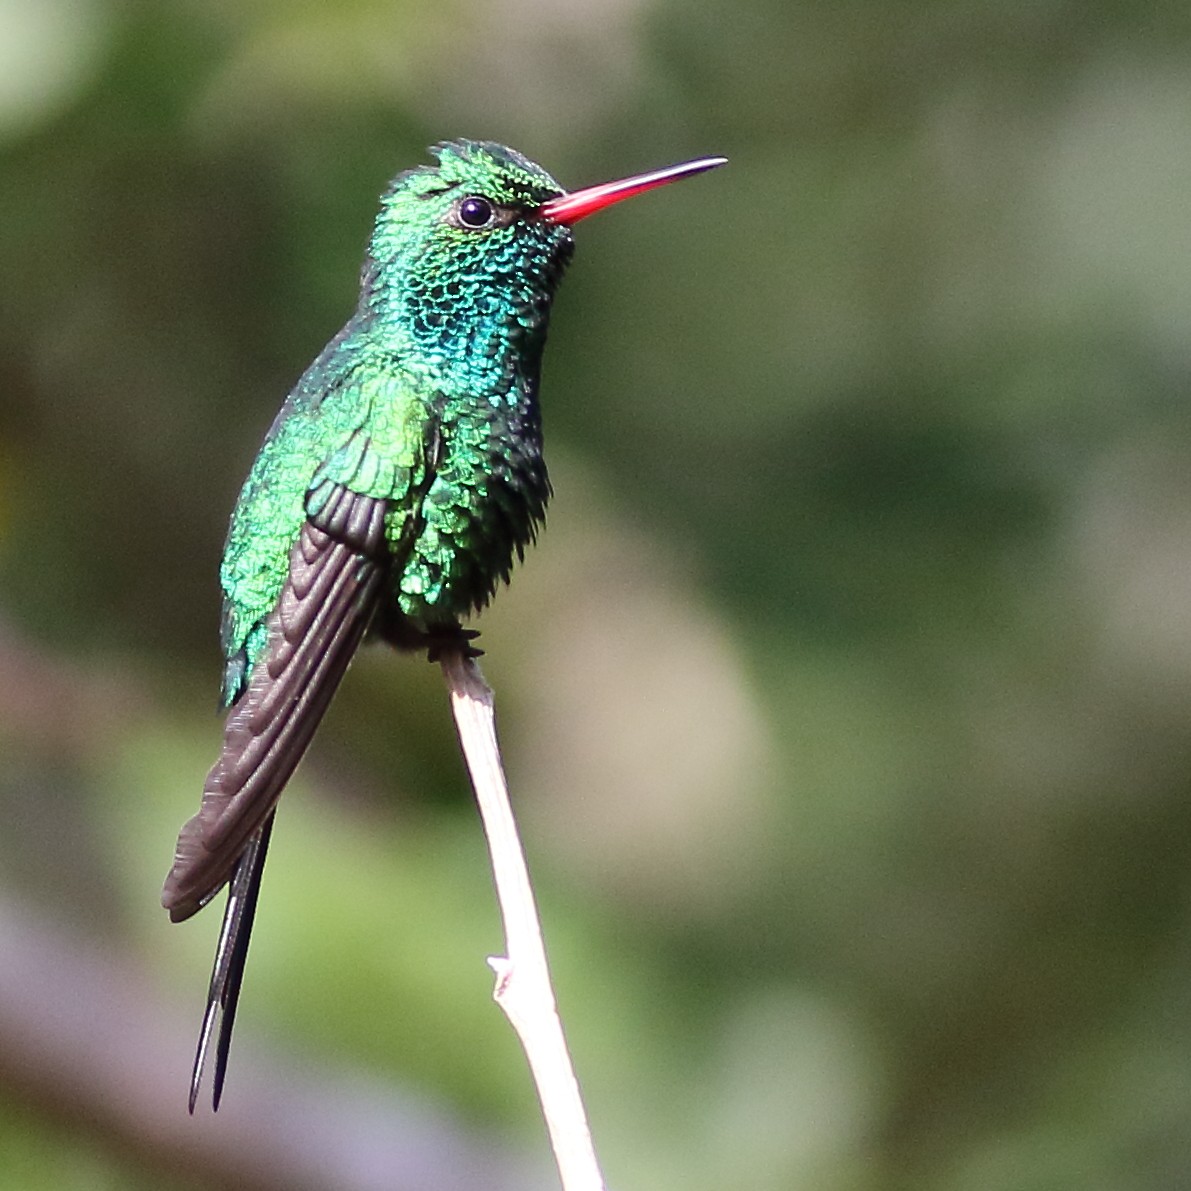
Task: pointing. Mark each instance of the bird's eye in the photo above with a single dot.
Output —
(475, 211)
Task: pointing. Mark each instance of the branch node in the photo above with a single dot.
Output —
(504, 974)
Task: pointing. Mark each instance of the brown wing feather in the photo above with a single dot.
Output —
(329, 598)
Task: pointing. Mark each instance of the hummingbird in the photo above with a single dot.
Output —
(402, 477)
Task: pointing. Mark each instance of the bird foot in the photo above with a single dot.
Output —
(451, 639)
(401, 633)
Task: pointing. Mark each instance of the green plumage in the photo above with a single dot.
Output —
(392, 494)
(443, 353)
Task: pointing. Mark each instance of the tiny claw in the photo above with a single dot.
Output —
(453, 638)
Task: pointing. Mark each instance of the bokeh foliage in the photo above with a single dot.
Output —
(846, 698)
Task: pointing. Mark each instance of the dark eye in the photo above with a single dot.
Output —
(475, 211)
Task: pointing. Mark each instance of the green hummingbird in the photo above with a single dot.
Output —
(391, 494)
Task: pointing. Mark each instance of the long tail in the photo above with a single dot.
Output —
(230, 956)
(336, 572)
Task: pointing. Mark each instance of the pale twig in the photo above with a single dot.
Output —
(523, 987)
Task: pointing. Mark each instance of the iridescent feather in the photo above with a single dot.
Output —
(400, 480)
(398, 484)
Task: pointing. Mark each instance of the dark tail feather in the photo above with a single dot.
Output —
(230, 957)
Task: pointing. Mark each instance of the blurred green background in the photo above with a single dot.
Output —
(846, 700)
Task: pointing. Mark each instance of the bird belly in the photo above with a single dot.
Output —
(476, 518)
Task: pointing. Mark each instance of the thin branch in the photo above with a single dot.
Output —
(523, 988)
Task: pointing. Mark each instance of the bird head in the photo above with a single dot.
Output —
(467, 254)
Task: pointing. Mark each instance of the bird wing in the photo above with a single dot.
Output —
(336, 570)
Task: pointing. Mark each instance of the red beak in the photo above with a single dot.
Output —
(579, 204)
